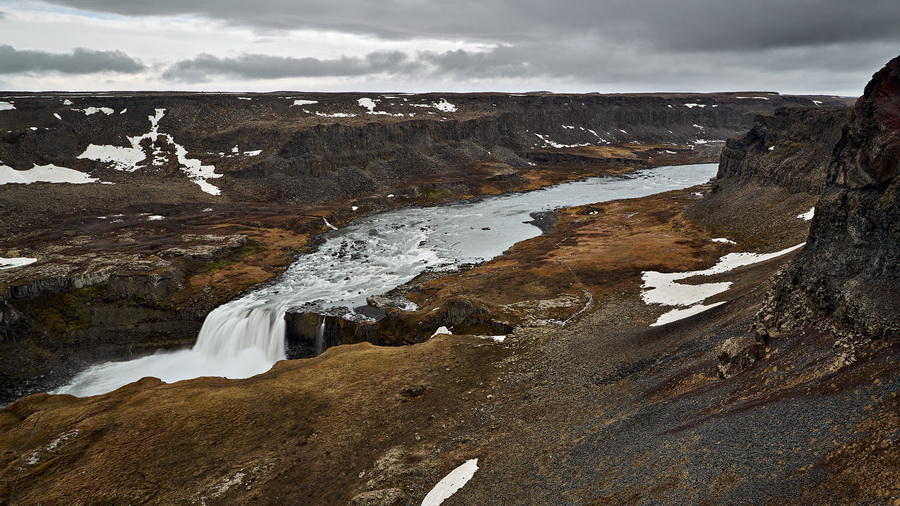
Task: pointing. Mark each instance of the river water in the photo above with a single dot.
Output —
(370, 256)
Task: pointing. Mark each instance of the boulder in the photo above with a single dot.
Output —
(737, 354)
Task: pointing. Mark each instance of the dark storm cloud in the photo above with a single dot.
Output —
(688, 25)
(255, 66)
(79, 61)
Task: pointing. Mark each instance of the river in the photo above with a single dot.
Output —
(370, 256)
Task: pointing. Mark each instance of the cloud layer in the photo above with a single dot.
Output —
(570, 45)
(79, 61)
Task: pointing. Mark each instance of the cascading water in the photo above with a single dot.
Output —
(320, 337)
(370, 256)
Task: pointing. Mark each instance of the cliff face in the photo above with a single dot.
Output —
(320, 147)
(848, 269)
(791, 149)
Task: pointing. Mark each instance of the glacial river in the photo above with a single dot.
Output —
(370, 256)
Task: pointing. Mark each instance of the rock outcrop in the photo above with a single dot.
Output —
(772, 174)
(847, 273)
(791, 149)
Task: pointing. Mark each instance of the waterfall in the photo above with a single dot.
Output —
(243, 324)
(320, 337)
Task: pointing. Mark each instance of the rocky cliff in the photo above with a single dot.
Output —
(319, 147)
(791, 148)
(847, 272)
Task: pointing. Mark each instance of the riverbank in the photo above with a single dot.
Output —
(113, 284)
(535, 408)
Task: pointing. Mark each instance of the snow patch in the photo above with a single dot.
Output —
(808, 215)
(6, 106)
(368, 103)
(771, 148)
(44, 174)
(94, 110)
(817, 102)
(451, 483)
(444, 106)
(664, 288)
(155, 217)
(680, 314)
(9, 263)
(442, 331)
(57, 116)
(67, 102)
(304, 102)
(335, 115)
(127, 158)
(253, 153)
(327, 224)
(692, 105)
(723, 240)
(354, 208)
(553, 144)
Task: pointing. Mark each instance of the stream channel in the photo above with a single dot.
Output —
(370, 256)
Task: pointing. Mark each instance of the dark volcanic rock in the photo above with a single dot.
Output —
(791, 148)
(848, 270)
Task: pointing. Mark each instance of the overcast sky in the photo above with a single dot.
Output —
(790, 46)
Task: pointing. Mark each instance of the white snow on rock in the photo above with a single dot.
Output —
(553, 144)
(817, 102)
(94, 110)
(368, 103)
(691, 106)
(67, 102)
(808, 215)
(679, 314)
(44, 174)
(445, 106)
(127, 158)
(335, 115)
(771, 148)
(327, 224)
(57, 116)
(723, 240)
(665, 289)
(304, 102)
(155, 217)
(6, 106)
(442, 330)
(451, 483)
(255, 152)
(9, 263)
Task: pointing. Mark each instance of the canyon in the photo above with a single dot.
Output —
(559, 376)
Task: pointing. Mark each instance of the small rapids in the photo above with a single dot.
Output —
(370, 256)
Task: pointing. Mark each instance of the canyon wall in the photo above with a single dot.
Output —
(135, 261)
(847, 276)
(791, 149)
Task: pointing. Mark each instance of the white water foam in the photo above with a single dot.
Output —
(371, 256)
